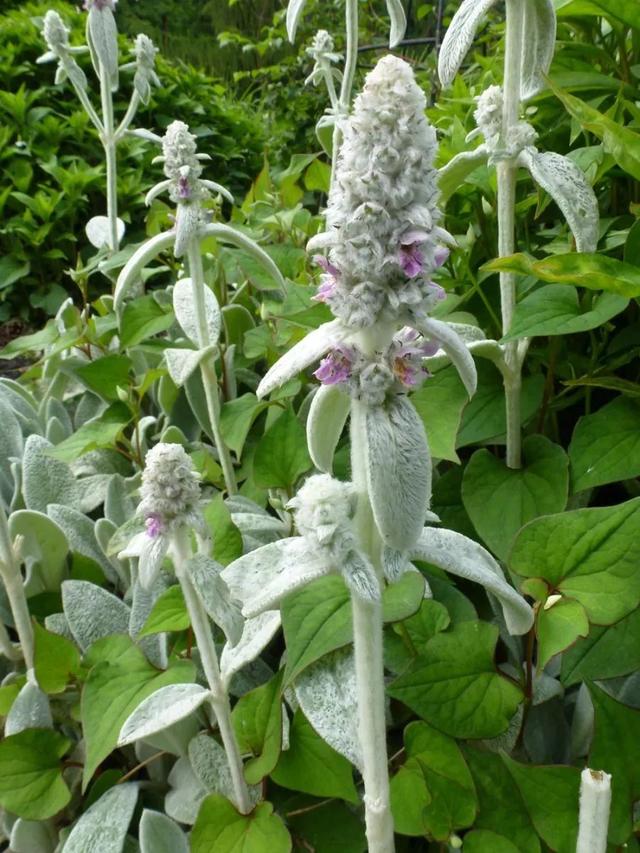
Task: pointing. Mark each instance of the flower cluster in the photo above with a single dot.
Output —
(488, 116)
(323, 53)
(383, 238)
(145, 53)
(182, 164)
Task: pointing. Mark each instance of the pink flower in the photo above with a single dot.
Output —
(440, 256)
(328, 281)
(154, 525)
(336, 367)
(411, 259)
(184, 190)
(407, 350)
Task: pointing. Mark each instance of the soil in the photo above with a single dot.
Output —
(11, 368)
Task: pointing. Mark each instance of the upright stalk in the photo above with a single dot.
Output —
(506, 172)
(350, 65)
(109, 143)
(13, 584)
(209, 378)
(206, 646)
(368, 650)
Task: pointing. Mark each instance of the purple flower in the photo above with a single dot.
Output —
(407, 351)
(436, 291)
(184, 189)
(411, 259)
(440, 255)
(336, 367)
(154, 525)
(328, 281)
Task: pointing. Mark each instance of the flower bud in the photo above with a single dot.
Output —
(170, 489)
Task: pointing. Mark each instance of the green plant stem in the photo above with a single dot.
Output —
(206, 646)
(368, 651)
(209, 378)
(128, 117)
(14, 586)
(109, 143)
(507, 172)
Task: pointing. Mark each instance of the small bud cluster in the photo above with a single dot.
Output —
(182, 164)
(488, 116)
(323, 53)
(170, 490)
(145, 53)
(56, 36)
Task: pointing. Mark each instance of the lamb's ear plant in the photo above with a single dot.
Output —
(102, 44)
(382, 246)
(509, 144)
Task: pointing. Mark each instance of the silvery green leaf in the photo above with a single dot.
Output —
(398, 21)
(328, 414)
(11, 445)
(465, 558)
(454, 347)
(102, 36)
(93, 612)
(56, 409)
(294, 12)
(459, 37)
(57, 624)
(184, 306)
(311, 348)
(30, 710)
(162, 709)
(181, 363)
(80, 534)
(454, 173)
(258, 529)
(33, 836)
(398, 468)
(566, 184)
(98, 231)
(326, 691)
(43, 550)
(186, 793)
(262, 578)
(360, 576)
(187, 227)
(103, 827)
(256, 635)
(215, 596)
(159, 834)
(93, 491)
(142, 601)
(46, 480)
(156, 190)
(545, 688)
(55, 432)
(119, 506)
(209, 762)
(582, 723)
(538, 45)
(131, 273)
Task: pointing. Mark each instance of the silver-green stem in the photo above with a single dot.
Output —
(109, 143)
(348, 77)
(88, 107)
(368, 651)
(128, 117)
(207, 649)
(507, 172)
(14, 586)
(207, 369)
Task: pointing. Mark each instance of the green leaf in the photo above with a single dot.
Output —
(312, 766)
(56, 659)
(439, 403)
(555, 310)
(615, 750)
(257, 721)
(605, 653)
(595, 272)
(626, 11)
(550, 795)
(227, 539)
(118, 682)
(31, 783)
(444, 798)
(558, 627)
(591, 555)
(500, 500)
(318, 618)
(329, 827)
(105, 375)
(236, 418)
(281, 456)
(220, 827)
(141, 319)
(501, 808)
(169, 613)
(318, 176)
(102, 431)
(485, 841)
(605, 446)
(455, 687)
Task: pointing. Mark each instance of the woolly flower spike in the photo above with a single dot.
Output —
(56, 36)
(170, 494)
(145, 53)
(488, 116)
(322, 51)
(383, 236)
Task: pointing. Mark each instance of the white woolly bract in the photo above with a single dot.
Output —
(180, 150)
(595, 804)
(170, 486)
(322, 504)
(328, 414)
(398, 471)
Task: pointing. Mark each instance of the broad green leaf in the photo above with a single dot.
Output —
(555, 310)
(615, 750)
(56, 659)
(501, 808)
(31, 783)
(281, 456)
(102, 431)
(605, 446)
(455, 687)
(227, 539)
(119, 683)
(105, 375)
(169, 613)
(444, 798)
(439, 403)
(141, 319)
(605, 653)
(317, 619)
(257, 720)
(220, 827)
(625, 10)
(312, 766)
(329, 827)
(595, 272)
(500, 500)
(485, 841)
(590, 555)
(558, 627)
(236, 418)
(550, 795)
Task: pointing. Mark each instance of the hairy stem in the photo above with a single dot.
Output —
(348, 77)
(109, 143)
(132, 109)
(14, 586)
(367, 639)
(507, 171)
(206, 646)
(209, 378)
